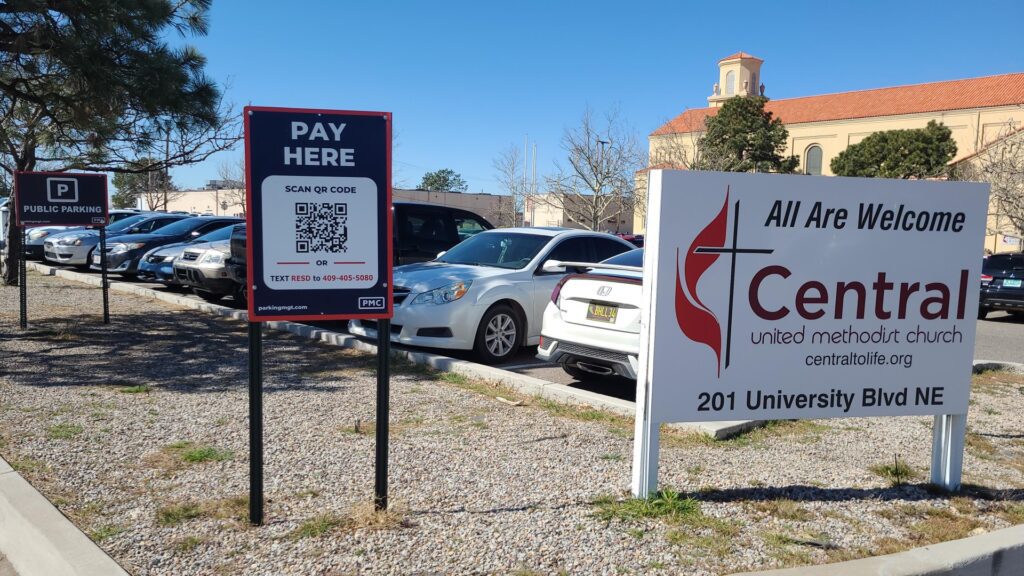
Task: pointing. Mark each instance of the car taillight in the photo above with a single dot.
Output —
(985, 278)
(557, 292)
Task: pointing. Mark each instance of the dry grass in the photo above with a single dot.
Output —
(897, 472)
(173, 456)
(232, 508)
(784, 509)
(925, 525)
(362, 516)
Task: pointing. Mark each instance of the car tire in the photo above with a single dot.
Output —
(982, 313)
(208, 296)
(499, 334)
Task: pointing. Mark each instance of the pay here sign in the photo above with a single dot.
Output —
(777, 296)
(319, 214)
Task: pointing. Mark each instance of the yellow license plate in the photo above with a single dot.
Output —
(602, 312)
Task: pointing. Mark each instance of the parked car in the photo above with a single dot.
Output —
(124, 254)
(204, 268)
(488, 293)
(421, 232)
(4, 219)
(1002, 276)
(75, 247)
(591, 324)
(37, 236)
(157, 265)
(634, 239)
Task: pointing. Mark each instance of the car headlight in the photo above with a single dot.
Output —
(37, 234)
(120, 248)
(70, 241)
(212, 257)
(444, 295)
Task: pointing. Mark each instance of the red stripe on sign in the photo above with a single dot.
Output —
(293, 262)
(350, 262)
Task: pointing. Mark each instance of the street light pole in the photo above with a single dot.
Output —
(600, 176)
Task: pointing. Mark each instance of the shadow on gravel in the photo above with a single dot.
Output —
(165, 350)
(912, 492)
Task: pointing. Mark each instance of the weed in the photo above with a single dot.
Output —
(980, 446)
(104, 532)
(694, 470)
(897, 473)
(206, 454)
(784, 509)
(666, 504)
(63, 431)
(140, 389)
(188, 543)
(637, 533)
(611, 457)
(700, 544)
(1014, 513)
(178, 513)
(29, 465)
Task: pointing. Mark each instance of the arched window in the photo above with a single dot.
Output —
(730, 83)
(812, 160)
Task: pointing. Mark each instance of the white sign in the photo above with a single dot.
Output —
(785, 297)
(317, 231)
(807, 297)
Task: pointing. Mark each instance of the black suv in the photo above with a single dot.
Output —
(421, 232)
(1002, 284)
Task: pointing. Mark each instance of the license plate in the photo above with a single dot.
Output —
(1011, 283)
(95, 259)
(602, 312)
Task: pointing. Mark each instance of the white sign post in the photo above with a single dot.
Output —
(793, 297)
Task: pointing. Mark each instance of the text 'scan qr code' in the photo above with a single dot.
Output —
(321, 227)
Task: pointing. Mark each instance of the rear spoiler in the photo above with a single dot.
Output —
(593, 265)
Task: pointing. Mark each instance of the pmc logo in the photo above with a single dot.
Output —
(697, 321)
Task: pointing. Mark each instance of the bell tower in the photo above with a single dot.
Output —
(738, 75)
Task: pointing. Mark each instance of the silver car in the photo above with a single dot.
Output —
(488, 293)
(74, 247)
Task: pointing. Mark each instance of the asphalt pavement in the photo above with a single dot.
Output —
(1000, 337)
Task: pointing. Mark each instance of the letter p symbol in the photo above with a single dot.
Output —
(62, 190)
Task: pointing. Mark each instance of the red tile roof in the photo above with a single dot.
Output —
(1002, 90)
(741, 56)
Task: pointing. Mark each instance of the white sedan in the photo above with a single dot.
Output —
(487, 293)
(592, 323)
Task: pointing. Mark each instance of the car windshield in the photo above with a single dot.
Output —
(181, 227)
(499, 249)
(218, 234)
(631, 258)
(126, 223)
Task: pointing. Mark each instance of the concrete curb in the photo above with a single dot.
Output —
(40, 541)
(527, 385)
(999, 553)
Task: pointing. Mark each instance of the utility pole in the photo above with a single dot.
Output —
(167, 158)
(599, 203)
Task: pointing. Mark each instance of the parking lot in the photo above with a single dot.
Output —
(998, 338)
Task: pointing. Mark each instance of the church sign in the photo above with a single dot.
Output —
(786, 297)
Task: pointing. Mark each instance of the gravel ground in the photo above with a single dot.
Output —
(138, 432)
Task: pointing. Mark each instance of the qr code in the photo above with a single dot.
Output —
(321, 227)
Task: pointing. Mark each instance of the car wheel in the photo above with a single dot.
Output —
(499, 334)
(982, 313)
(208, 296)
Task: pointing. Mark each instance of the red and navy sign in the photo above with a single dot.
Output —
(318, 192)
(60, 199)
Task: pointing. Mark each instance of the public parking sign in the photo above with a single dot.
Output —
(319, 214)
(60, 199)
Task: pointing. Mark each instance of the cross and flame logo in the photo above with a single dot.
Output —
(696, 320)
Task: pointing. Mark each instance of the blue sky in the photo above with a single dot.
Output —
(467, 79)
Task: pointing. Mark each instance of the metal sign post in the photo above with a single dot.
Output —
(319, 242)
(380, 486)
(105, 286)
(256, 423)
(22, 280)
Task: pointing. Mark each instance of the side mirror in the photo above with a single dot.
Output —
(135, 230)
(441, 253)
(553, 267)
